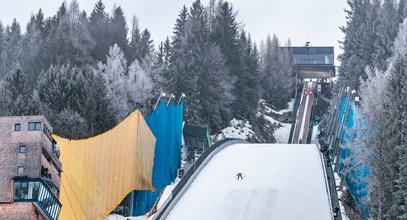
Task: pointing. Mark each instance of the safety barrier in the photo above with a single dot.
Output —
(345, 130)
(353, 170)
(191, 174)
(166, 124)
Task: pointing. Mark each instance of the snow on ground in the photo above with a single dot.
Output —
(270, 110)
(167, 192)
(338, 182)
(344, 216)
(237, 129)
(281, 182)
(164, 196)
(120, 217)
(314, 134)
(242, 129)
(282, 133)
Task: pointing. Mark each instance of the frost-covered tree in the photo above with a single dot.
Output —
(15, 97)
(33, 41)
(396, 139)
(358, 45)
(141, 83)
(69, 39)
(67, 92)
(2, 44)
(114, 72)
(12, 51)
(127, 88)
(383, 102)
(388, 22)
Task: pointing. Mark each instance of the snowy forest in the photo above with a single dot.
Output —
(86, 73)
(374, 63)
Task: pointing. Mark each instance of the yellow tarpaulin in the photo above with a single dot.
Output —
(100, 171)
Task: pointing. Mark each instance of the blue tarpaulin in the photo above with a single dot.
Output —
(166, 124)
(351, 167)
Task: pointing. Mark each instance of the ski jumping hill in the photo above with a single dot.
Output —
(281, 181)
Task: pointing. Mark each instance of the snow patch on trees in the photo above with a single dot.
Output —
(239, 129)
(243, 129)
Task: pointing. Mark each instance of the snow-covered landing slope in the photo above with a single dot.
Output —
(281, 182)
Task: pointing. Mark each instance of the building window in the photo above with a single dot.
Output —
(17, 127)
(20, 169)
(34, 126)
(37, 191)
(21, 149)
(36, 213)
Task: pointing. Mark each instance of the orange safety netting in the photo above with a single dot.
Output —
(100, 171)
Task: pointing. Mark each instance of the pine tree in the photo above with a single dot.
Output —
(399, 207)
(33, 42)
(2, 44)
(69, 40)
(387, 28)
(358, 45)
(12, 51)
(165, 52)
(99, 30)
(118, 29)
(147, 46)
(172, 77)
(179, 28)
(76, 101)
(396, 137)
(15, 98)
(247, 86)
(277, 73)
(225, 35)
(135, 41)
(402, 9)
(92, 104)
(198, 69)
(388, 144)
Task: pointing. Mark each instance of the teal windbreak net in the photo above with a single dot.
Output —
(354, 170)
(166, 124)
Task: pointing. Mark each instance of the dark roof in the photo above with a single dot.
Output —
(313, 50)
(192, 130)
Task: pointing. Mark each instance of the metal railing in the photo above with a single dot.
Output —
(37, 191)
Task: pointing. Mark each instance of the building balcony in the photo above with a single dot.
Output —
(37, 191)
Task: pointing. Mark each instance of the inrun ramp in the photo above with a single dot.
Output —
(282, 181)
(303, 119)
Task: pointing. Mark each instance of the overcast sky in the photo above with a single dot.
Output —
(316, 21)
